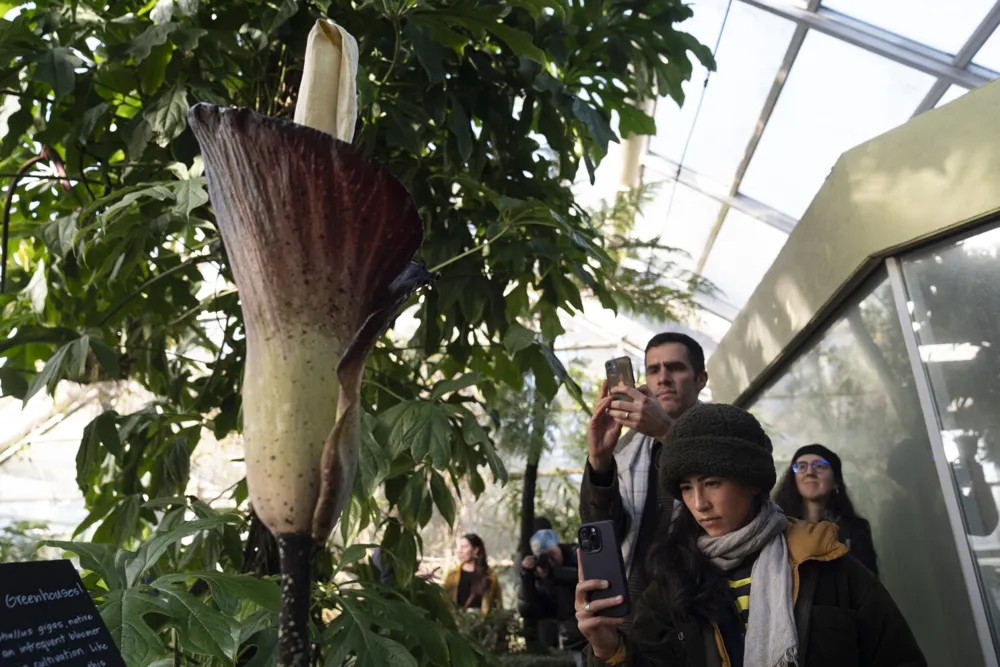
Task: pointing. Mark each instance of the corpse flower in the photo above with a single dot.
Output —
(320, 240)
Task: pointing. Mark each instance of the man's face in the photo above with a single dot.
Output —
(672, 379)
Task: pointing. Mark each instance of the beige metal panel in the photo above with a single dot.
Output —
(939, 171)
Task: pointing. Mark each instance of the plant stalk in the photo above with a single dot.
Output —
(295, 551)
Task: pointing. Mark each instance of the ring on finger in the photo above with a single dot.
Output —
(627, 414)
(587, 609)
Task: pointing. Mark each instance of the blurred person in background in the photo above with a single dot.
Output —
(548, 590)
(813, 489)
(472, 585)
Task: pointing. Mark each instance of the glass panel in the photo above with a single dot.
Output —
(750, 54)
(950, 95)
(853, 391)
(989, 54)
(955, 308)
(919, 20)
(673, 123)
(682, 218)
(741, 255)
(836, 97)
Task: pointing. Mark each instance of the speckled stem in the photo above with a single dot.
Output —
(295, 551)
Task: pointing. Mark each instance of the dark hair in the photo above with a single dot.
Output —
(838, 504)
(698, 590)
(696, 355)
(481, 578)
(542, 523)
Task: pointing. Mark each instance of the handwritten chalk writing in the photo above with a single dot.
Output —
(42, 596)
(68, 654)
(7, 653)
(49, 628)
(83, 634)
(16, 634)
(43, 644)
(82, 618)
(97, 647)
(96, 663)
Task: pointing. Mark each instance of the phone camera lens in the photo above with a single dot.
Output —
(585, 544)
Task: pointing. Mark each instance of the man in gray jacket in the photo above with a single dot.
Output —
(621, 480)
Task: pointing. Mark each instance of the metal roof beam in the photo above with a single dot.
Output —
(791, 53)
(963, 58)
(719, 192)
(881, 42)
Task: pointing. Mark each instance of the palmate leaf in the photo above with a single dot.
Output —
(124, 612)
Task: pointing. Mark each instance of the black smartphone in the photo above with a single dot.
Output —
(620, 374)
(601, 558)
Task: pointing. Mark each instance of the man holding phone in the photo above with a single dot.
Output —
(621, 480)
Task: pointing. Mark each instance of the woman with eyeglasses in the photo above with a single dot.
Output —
(813, 490)
(736, 583)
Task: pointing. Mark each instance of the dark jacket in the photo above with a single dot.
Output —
(554, 597)
(600, 500)
(844, 617)
(856, 534)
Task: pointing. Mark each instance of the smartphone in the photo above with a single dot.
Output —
(620, 374)
(601, 558)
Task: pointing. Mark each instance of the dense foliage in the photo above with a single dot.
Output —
(486, 110)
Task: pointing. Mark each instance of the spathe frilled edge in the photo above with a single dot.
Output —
(340, 452)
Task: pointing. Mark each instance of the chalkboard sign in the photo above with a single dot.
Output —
(47, 619)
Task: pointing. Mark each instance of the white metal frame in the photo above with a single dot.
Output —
(931, 423)
(811, 15)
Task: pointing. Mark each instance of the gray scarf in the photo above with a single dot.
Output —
(771, 638)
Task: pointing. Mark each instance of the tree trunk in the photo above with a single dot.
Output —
(539, 420)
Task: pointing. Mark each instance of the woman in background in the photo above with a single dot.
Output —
(471, 584)
(813, 490)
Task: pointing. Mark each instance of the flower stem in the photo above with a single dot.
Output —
(295, 551)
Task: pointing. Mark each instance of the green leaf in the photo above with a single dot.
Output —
(596, 124)
(373, 466)
(430, 54)
(154, 35)
(106, 357)
(633, 121)
(287, 10)
(168, 115)
(153, 71)
(443, 498)
(157, 545)
(190, 194)
(353, 554)
(37, 289)
(58, 234)
(262, 592)
(124, 613)
(12, 383)
(518, 338)
(76, 359)
(519, 42)
(87, 124)
(418, 425)
(458, 384)
(203, 630)
(98, 558)
(474, 434)
(51, 373)
(55, 67)
(458, 123)
(122, 522)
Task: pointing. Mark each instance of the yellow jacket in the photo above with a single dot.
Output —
(492, 598)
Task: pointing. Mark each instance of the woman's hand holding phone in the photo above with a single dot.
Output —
(600, 631)
(602, 433)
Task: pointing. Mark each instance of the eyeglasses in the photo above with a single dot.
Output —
(817, 465)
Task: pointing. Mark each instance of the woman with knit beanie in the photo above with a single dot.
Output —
(736, 583)
(813, 489)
